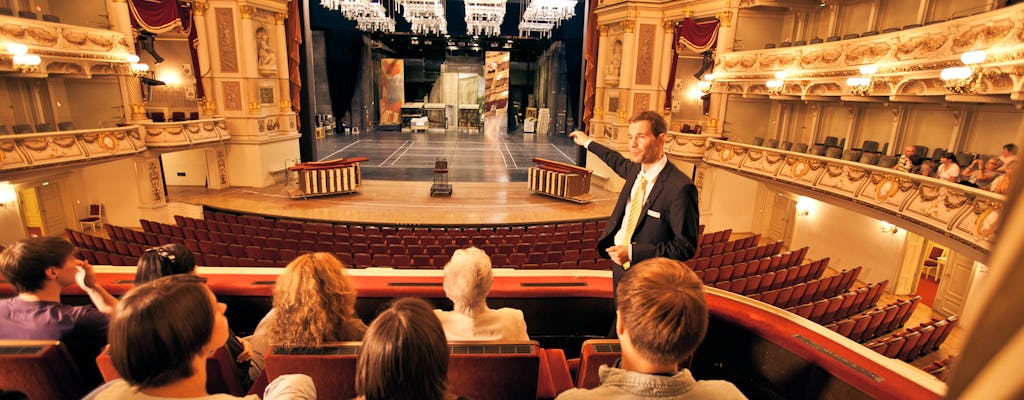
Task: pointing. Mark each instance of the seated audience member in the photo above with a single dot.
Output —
(948, 170)
(661, 318)
(39, 268)
(1009, 153)
(981, 173)
(467, 281)
(909, 161)
(314, 303)
(174, 259)
(1002, 182)
(927, 168)
(160, 337)
(404, 355)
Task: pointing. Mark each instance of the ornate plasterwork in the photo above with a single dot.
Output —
(981, 35)
(966, 214)
(686, 145)
(67, 41)
(645, 54)
(155, 181)
(628, 26)
(173, 134)
(222, 167)
(641, 102)
(226, 39)
(232, 95)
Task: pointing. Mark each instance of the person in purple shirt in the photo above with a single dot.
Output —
(39, 268)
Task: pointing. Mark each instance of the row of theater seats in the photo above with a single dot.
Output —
(28, 14)
(37, 128)
(939, 369)
(811, 291)
(848, 36)
(773, 280)
(877, 322)
(176, 116)
(914, 342)
(480, 370)
(842, 305)
(722, 247)
(761, 266)
(739, 256)
(868, 153)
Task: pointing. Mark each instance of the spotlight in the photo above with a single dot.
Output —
(147, 41)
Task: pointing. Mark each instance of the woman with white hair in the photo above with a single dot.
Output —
(467, 281)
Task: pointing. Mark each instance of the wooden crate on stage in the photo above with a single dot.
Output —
(327, 177)
(561, 180)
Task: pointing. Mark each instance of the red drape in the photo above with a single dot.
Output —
(293, 35)
(164, 15)
(590, 73)
(693, 35)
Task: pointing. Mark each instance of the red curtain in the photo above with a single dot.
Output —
(164, 15)
(293, 35)
(690, 34)
(590, 73)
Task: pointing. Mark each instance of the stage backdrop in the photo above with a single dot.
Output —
(392, 90)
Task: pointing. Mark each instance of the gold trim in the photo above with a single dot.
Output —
(893, 188)
(800, 168)
(983, 232)
(107, 142)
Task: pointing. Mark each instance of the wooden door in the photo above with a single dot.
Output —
(51, 209)
(955, 284)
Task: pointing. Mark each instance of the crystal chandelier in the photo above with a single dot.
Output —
(369, 16)
(426, 17)
(542, 16)
(484, 17)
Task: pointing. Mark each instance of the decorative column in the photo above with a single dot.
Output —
(217, 167)
(726, 44)
(150, 183)
(281, 48)
(200, 23)
(598, 124)
(131, 93)
(666, 49)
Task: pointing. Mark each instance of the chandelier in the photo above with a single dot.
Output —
(426, 17)
(369, 16)
(542, 16)
(484, 17)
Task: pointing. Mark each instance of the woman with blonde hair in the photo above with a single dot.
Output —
(314, 303)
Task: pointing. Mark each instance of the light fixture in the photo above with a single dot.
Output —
(138, 69)
(964, 80)
(886, 227)
(369, 16)
(705, 85)
(542, 16)
(7, 194)
(26, 63)
(775, 87)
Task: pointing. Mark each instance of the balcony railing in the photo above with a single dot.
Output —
(966, 214)
(67, 49)
(35, 150)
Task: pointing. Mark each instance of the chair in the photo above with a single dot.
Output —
(177, 116)
(773, 143)
(965, 159)
(157, 116)
(852, 155)
(222, 375)
(833, 152)
(41, 369)
(887, 161)
(27, 14)
(817, 150)
(193, 115)
(45, 127)
(95, 219)
(869, 33)
(23, 128)
(933, 263)
(817, 40)
(786, 145)
(851, 36)
(769, 45)
(758, 141)
(6, 11)
(869, 146)
(785, 44)
(869, 158)
(66, 126)
(799, 43)
(800, 147)
(890, 30)
(833, 39)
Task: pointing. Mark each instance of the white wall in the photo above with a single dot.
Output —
(113, 185)
(897, 13)
(745, 119)
(850, 239)
(94, 103)
(930, 127)
(876, 124)
(731, 199)
(250, 164)
(855, 17)
(754, 29)
(991, 129)
(10, 217)
(190, 162)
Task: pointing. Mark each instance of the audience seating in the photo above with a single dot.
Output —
(887, 161)
(478, 370)
(810, 291)
(41, 369)
(913, 342)
(221, 372)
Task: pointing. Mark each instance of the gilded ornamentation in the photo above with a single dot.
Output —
(222, 167)
(107, 142)
(154, 181)
(669, 26)
(645, 55)
(259, 126)
(920, 46)
(602, 30)
(739, 63)
(245, 12)
(199, 7)
(272, 124)
(279, 18)
(226, 39)
(776, 61)
(885, 189)
(46, 37)
(800, 167)
(867, 53)
(641, 102)
(981, 35)
(628, 25)
(820, 58)
(232, 95)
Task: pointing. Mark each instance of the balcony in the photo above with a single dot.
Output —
(967, 215)
(64, 49)
(907, 65)
(36, 150)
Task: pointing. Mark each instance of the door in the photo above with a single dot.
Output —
(955, 284)
(51, 209)
(782, 220)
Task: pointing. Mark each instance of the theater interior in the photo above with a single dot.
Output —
(253, 131)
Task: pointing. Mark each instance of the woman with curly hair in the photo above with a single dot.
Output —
(314, 303)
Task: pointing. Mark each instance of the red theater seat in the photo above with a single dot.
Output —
(41, 369)
(221, 372)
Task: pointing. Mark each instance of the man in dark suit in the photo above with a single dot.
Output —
(658, 200)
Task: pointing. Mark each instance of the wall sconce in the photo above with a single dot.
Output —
(964, 80)
(775, 87)
(705, 84)
(889, 228)
(861, 85)
(804, 206)
(138, 69)
(21, 59)
(7, 194)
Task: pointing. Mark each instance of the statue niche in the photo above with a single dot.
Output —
(266, 58)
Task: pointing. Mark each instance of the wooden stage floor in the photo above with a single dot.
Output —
(403, 202)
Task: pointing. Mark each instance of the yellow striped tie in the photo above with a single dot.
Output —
(636, 204)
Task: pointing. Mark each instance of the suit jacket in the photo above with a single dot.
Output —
(668, 221)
